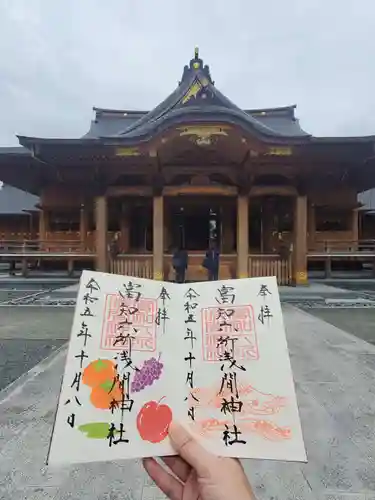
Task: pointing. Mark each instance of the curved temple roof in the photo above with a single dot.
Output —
(195, 99)
(114, 123)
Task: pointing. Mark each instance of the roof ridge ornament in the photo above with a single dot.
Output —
(196, 68)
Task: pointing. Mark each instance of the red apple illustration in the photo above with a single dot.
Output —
(153, 421)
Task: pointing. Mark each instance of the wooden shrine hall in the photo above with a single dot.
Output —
(196, 169)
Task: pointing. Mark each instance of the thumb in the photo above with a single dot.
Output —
(190, 450)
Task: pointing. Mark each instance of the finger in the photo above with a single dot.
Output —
(168, 484)
(190, 450)
(190, 488)
(178, 466)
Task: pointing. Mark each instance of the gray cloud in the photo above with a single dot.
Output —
(58, 58)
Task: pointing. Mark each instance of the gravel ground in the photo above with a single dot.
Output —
(10, 294)
(19, 356)
(28, 335)
(358, 322)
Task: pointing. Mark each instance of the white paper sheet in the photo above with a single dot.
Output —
(212, 355)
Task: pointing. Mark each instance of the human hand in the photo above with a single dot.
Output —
(201, 475)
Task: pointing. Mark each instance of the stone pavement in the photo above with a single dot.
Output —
(334, 374)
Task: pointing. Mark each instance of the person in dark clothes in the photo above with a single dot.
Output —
(114, 247)
(180, 264)
(212, 262)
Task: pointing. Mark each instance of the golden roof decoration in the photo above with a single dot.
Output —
(127, 152)
(204, 130)
(203, 135)
(193, 91)
(279, 151)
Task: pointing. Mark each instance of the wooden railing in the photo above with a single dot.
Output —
(343, 246)
(132, 265)
(17, 236)
(141, 266)
(45, 246)
(271, 265)
(88, 240)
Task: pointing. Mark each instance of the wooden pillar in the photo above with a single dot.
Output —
(158, 237)
(83, 226)
(242, 236)
(300, 241)
(311, 225)
(43, 224)
(101, 233)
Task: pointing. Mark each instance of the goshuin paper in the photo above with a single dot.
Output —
(212, 355)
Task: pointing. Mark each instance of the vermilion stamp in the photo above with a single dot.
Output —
(236, 322)
(126, 317)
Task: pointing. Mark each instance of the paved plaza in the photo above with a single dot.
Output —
(334, 375)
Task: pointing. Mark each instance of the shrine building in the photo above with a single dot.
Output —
(195, 169)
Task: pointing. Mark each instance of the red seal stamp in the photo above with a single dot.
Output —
(124, 318)
(235, 322)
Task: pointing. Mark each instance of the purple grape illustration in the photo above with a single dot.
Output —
(147, 374)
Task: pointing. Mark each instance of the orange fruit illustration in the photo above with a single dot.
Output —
(106, 395)
(98, 372)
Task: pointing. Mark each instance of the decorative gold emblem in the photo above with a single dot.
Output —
(194, 89)
(301, 278)
(203, 130)
(127, 152)
(158, 276)
(203, 135)
(279, 151)
(203, 141)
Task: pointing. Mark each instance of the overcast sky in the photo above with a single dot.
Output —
(59, 58)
